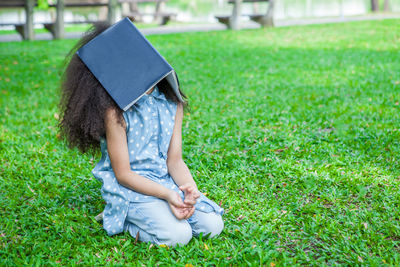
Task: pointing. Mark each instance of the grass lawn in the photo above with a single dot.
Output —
(68, 28)
(294, 130)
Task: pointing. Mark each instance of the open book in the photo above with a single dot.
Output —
(126, 63)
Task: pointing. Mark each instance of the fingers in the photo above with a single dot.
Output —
(179, 213)
(184, 187)
(177, 202)
(187, 186)
(190, 201)
(191, 211)
(183, 205)
(180, 204)
(190, 191)
(183, 213)
(181, 216)
(192, 196)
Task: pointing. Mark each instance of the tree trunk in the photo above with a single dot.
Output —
(374, 5)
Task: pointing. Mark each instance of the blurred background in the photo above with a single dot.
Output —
(204, 11)
(77, 15)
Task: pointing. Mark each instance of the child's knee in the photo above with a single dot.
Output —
(210, 223)
(216, 225)
(180, 233)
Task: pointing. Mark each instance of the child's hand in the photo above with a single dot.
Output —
(182, 213)
(191, 193)
(178, 207)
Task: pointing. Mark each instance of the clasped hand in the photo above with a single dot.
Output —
(183, 209)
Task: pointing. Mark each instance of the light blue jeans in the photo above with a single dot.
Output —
(156, 223)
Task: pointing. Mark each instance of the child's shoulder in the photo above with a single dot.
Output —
(112, 118)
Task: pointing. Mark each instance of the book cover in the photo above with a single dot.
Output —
(126, 63)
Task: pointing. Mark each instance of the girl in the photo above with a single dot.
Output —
(148, 188)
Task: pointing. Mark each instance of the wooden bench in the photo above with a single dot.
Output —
(259, 18)
(24, 29)
(136, 15)
(262, 19)
(56, 28)
(164, 17)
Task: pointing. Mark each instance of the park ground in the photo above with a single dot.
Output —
(294, 131)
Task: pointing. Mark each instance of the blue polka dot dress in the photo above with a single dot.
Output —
(150, 122)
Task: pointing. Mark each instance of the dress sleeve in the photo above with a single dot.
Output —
(126, 118)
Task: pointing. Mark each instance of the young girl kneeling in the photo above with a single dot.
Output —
(148, 188)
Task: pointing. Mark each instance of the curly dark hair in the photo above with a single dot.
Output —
(84, 101)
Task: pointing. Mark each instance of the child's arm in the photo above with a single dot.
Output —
(118, 152)
(176, 166)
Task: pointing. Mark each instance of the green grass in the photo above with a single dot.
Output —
(68, 28)
(294, 130)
